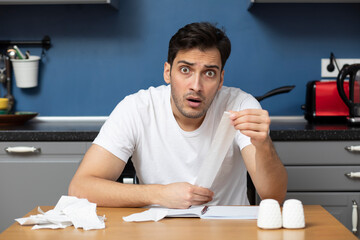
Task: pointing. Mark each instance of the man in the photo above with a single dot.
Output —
(168, 131)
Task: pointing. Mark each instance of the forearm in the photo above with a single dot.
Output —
(271, 175)
(109, 193)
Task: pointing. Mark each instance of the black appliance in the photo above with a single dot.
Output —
(353, 99)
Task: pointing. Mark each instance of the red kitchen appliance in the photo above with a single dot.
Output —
(350, 94)
(323, 102)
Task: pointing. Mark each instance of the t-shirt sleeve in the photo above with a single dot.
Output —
(118, 134)
(249, 102)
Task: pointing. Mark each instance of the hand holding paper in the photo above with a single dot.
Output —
(183, 195)
(254, 123)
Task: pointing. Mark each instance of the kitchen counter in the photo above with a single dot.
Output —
(86, 129)
(54, 129)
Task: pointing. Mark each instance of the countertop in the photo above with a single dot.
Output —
(286, 128)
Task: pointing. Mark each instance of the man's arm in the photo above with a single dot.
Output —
(263, 164)
(96, 177)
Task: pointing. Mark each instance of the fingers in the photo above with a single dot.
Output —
(184, 195)
(251, 119)
(202, 195)
(250, 115)
(254, 123)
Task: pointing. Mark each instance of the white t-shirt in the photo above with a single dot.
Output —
(143, 126)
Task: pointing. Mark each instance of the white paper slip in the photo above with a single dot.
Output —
(213, 212)
(68, 211)
(231, 212)
(223, 138)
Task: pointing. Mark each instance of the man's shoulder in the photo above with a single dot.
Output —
(236, 99)
(233, 92)
(150, 94)
(142, 102)
(151, 91)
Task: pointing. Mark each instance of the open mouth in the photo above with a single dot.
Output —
(194, 102)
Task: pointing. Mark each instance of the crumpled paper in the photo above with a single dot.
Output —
(68, 211)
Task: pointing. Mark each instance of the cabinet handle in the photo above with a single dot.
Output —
(22, 150)
(128, 180)
(354, 217)
(353, 174)
(353, 148)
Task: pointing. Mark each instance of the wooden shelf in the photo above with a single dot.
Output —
(254, 2)
(113, 3)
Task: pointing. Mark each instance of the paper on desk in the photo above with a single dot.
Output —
(223, 138)
(213, 212)
(68, 211)
(153, 214)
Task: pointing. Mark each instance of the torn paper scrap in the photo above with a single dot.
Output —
(153, 214)
(220, 145)
(68, 211)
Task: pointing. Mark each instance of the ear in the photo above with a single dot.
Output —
(221, 79)
(167, 69)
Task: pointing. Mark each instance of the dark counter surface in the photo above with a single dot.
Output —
(86, 129)
(298, 129)
(54, 129)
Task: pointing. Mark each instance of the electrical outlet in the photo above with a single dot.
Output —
(340, 62)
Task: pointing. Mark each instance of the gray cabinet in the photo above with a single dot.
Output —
(316, 171)
(30, 179)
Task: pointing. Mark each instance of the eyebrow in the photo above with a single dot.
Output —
(192, 64)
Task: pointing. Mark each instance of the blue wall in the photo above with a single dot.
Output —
(100, 55)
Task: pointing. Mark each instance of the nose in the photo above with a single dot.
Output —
(196, 83)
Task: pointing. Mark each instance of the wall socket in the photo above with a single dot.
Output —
(340, 62)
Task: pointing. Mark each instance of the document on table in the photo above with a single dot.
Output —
(213, 212)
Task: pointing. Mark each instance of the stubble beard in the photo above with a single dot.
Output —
(179, 103)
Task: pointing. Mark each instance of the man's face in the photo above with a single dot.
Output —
(195, 77)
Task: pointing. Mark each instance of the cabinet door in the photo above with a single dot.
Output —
(339, 204)
(28, 180)
(317, 153)
(322, 178)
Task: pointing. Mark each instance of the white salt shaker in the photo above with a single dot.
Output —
(269, 216)
(293, 214)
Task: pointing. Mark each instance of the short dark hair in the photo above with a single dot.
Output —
(202, 35)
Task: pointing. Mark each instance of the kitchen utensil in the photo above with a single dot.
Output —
(2, 69)
(352, 100)
(19, 54)
(8, 94)
(275, 91)
(11, 53)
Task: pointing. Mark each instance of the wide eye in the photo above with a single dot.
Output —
(210, 73)
(184, 70)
